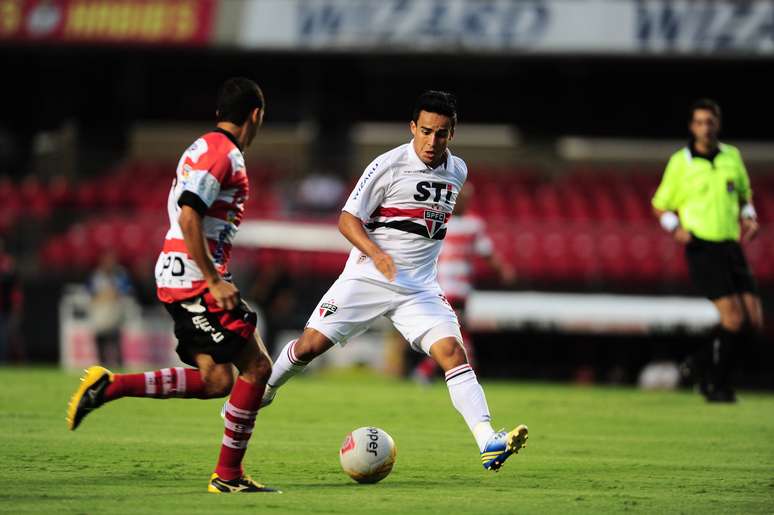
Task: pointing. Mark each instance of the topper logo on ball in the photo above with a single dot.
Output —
(373, 445)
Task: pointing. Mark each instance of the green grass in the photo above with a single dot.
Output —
(591, 450)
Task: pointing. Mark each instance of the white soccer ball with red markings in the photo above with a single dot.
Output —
(367, 454)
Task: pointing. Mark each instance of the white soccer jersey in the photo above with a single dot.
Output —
(465, 238)
(405, 207)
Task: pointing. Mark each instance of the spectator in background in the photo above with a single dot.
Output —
(11, 300)
(320, 193)
(465, 239)
(110, 288)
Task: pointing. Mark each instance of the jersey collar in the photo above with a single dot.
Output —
(230, 136)
(709, 157)
(416, 162)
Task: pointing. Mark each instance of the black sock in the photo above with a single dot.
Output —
(722, 358)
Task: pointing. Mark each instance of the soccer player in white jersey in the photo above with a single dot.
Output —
(466, 238)
(214, 327)
(396, 220)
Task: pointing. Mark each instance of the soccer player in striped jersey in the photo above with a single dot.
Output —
(396, 219)
(465, 239)
(214, 327)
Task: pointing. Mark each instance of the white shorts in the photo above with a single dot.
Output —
(351, 305)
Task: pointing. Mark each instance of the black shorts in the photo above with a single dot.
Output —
(201, 326)
(718, 269)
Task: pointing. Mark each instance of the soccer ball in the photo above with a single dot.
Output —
(367, 454)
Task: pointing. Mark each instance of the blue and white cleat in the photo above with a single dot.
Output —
(501, 445)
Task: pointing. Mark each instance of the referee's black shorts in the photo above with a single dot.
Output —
(719, 269)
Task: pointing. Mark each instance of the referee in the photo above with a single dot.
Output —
(702, 196)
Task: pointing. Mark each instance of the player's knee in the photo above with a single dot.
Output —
(732, 320)
(263, 368)
(448, 353)
(218, 384)
(259, 371)
(310, 345)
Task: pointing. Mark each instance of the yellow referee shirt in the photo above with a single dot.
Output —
(705, 191)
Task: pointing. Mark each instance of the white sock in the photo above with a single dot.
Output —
(468, 397)
(286, 366)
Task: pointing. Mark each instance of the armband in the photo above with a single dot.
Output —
(669, 221)
(748, 212)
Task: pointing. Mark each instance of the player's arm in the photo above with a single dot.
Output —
(201, 190)
(747, 212)
(485, 248)
(224, 292)
(369, 193)
(352, 229)
(664, 203)
(503, 269)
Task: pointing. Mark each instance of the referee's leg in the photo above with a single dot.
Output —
(732, 312)
(753, 311)
(725, 347)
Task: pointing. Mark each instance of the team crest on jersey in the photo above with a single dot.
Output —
(434, 221)
(327, 309)
(730, 186)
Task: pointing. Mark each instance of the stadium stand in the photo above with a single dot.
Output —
(590, 225)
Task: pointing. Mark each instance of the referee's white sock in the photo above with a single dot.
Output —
(286, 366)
(469, 399)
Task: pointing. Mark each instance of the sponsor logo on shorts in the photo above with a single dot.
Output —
(201, 323)
(362, 259)
(194, 306)
(327, 309)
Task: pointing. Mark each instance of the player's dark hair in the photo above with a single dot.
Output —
(705, 104)
(439, 102)
(237, 98)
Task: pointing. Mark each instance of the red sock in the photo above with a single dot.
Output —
(241, 410)
(160, 384)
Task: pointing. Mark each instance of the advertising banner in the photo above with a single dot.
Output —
(624, 27)
(134, 22)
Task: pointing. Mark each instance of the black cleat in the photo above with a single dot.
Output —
(244, 484)
(720, 395)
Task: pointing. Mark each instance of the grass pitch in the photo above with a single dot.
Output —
(591, 450)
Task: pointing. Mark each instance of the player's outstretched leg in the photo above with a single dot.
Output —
(427, 369)
(99, 385)
(293, 359)
(240, 412)
(468, 398)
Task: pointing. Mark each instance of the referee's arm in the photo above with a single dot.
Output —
(750, 226)
(665, 205)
